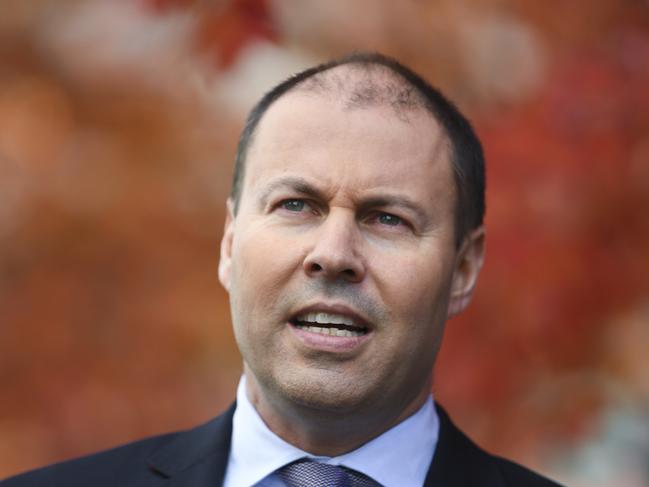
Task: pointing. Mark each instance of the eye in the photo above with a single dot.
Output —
(388, 219)
(292, 205)
(388, 222)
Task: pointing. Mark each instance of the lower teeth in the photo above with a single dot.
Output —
(331, 331)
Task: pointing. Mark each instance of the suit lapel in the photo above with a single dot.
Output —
(197, 457)
(458, 461)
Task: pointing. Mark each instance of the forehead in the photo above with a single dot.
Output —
(373, 146)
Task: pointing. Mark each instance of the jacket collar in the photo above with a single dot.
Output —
(458, 461)
(198, 456)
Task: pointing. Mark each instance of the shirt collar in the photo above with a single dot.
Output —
(400, 456)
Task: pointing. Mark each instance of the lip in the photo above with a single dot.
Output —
(330, 343)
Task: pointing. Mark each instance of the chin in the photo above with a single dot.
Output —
(324, 392)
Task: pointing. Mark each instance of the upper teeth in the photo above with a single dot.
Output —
(326, 318)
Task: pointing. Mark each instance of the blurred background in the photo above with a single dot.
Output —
(118, 127)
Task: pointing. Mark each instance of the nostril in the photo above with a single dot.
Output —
(345, 267)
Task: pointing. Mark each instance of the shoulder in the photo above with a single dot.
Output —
(146, 462)
(459, 461)
(124, 465)
(515, 475)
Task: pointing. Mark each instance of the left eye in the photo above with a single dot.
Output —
(292, 205)
(388, 219)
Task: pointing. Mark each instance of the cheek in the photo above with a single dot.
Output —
(262, 265)
(412, 276)
(265, 257)
(416, 291)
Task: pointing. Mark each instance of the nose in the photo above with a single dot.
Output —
(335, 251)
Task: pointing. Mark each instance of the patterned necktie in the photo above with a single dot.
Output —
(307, 473)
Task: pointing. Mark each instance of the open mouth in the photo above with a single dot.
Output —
(329, 324)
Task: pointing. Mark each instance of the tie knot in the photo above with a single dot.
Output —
(307, 473)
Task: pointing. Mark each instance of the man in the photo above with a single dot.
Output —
(353, 232)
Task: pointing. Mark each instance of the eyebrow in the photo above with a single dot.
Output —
(295, 183)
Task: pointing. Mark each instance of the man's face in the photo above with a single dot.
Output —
(340, 262)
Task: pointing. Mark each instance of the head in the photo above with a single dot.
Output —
(348, 243)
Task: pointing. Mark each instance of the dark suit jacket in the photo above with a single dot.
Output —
(199, 457)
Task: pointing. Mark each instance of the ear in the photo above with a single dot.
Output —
(225, 262)
(467, 268)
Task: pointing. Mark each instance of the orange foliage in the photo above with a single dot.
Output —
(115, 158)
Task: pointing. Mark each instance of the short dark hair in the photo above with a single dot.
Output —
(467, 157)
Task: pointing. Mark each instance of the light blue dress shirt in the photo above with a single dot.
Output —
(400, 457)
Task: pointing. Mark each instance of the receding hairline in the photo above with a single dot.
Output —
(360, 85)
(360, 89)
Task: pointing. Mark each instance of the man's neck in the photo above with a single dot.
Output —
(325, 433)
